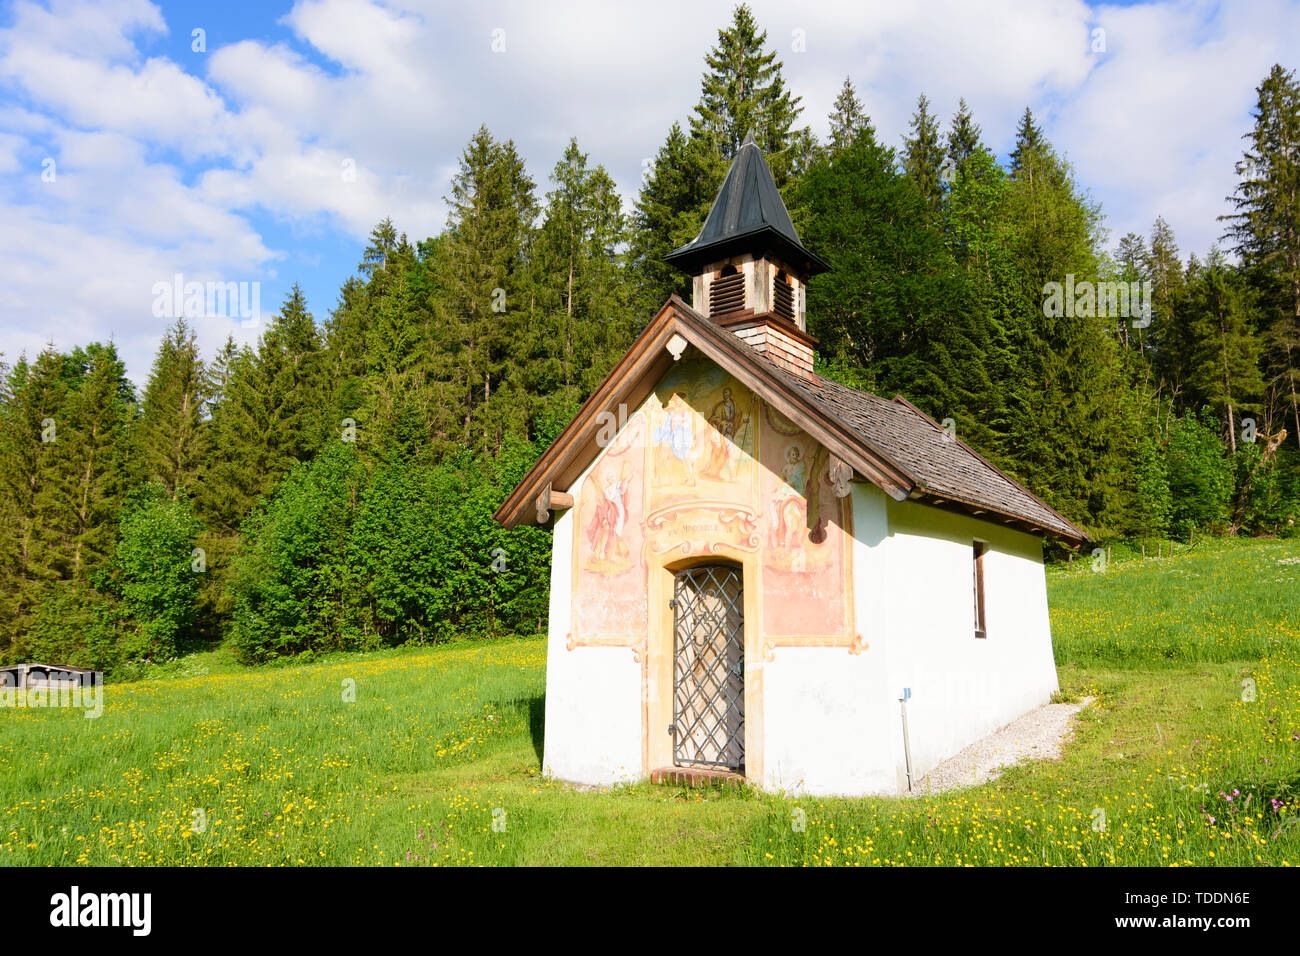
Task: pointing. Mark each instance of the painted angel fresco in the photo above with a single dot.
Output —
(675, 440)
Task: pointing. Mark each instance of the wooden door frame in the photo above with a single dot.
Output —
(657, 664)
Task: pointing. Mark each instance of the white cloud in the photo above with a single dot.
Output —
(10, 145)
(369, 39)
(98, 31)
(71, 284)
(1157, 127)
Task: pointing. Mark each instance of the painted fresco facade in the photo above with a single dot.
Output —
(705, 469)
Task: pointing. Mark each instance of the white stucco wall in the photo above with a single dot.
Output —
(822, 714)
(593, 694)
(827, 712)
(963, 687)
(832, 720)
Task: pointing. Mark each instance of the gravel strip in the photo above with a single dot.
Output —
(1037, 735)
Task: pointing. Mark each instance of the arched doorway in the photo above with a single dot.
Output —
(709, 668)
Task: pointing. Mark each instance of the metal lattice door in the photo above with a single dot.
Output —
(709, 668)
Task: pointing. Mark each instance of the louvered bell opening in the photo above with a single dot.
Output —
(727, 293)
(783, 297)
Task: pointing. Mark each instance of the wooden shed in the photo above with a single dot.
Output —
(28, 676)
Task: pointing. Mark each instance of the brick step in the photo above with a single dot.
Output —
(696, 777)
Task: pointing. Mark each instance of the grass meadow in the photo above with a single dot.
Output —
(1190, 756)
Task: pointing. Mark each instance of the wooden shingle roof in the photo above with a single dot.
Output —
(891, 444)
(941, 467)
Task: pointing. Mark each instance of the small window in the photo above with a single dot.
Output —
(977, 553)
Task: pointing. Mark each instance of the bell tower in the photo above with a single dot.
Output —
(749, 268)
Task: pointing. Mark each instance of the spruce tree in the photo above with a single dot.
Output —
(848, 118)
(744, 91)
(1029, 141)
(1265, 228)
(218, 373)
(579, 277)
(1170, 336)
(292, 366)
(963, 136)
(34, 487)
(994, 377)
(892, 282)
(94, 457)
(270, 416)
(1224, 370)
(923, 156)
(1078, 430)
(1130, 261)
(383, 242)
(234, 475)
(346, 343)
(169, 436)
(1131, 256)
(484, 308)
(398, 409)
(669, 212)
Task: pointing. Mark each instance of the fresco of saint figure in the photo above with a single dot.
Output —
(788, 508)
(609, 551)
(725, 439)
(677, 433)
(723, 417)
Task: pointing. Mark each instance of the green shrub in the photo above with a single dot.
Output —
(1153, 502)
(1268, 492)
(344, 559)
(154, 574)
(290, 579)
(1200, 476)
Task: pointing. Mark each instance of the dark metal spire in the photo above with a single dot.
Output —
(747, 216)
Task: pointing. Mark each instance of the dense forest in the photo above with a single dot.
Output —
(333, 486)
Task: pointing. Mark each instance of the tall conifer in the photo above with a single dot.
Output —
(744, 91)
(848, 118)
(963, 136)
(923, 155)
(169, 436)
(1265, 228)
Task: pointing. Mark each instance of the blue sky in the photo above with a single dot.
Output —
(227, 164)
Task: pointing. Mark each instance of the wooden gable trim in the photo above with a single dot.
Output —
(649, 354)
(639, 371)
